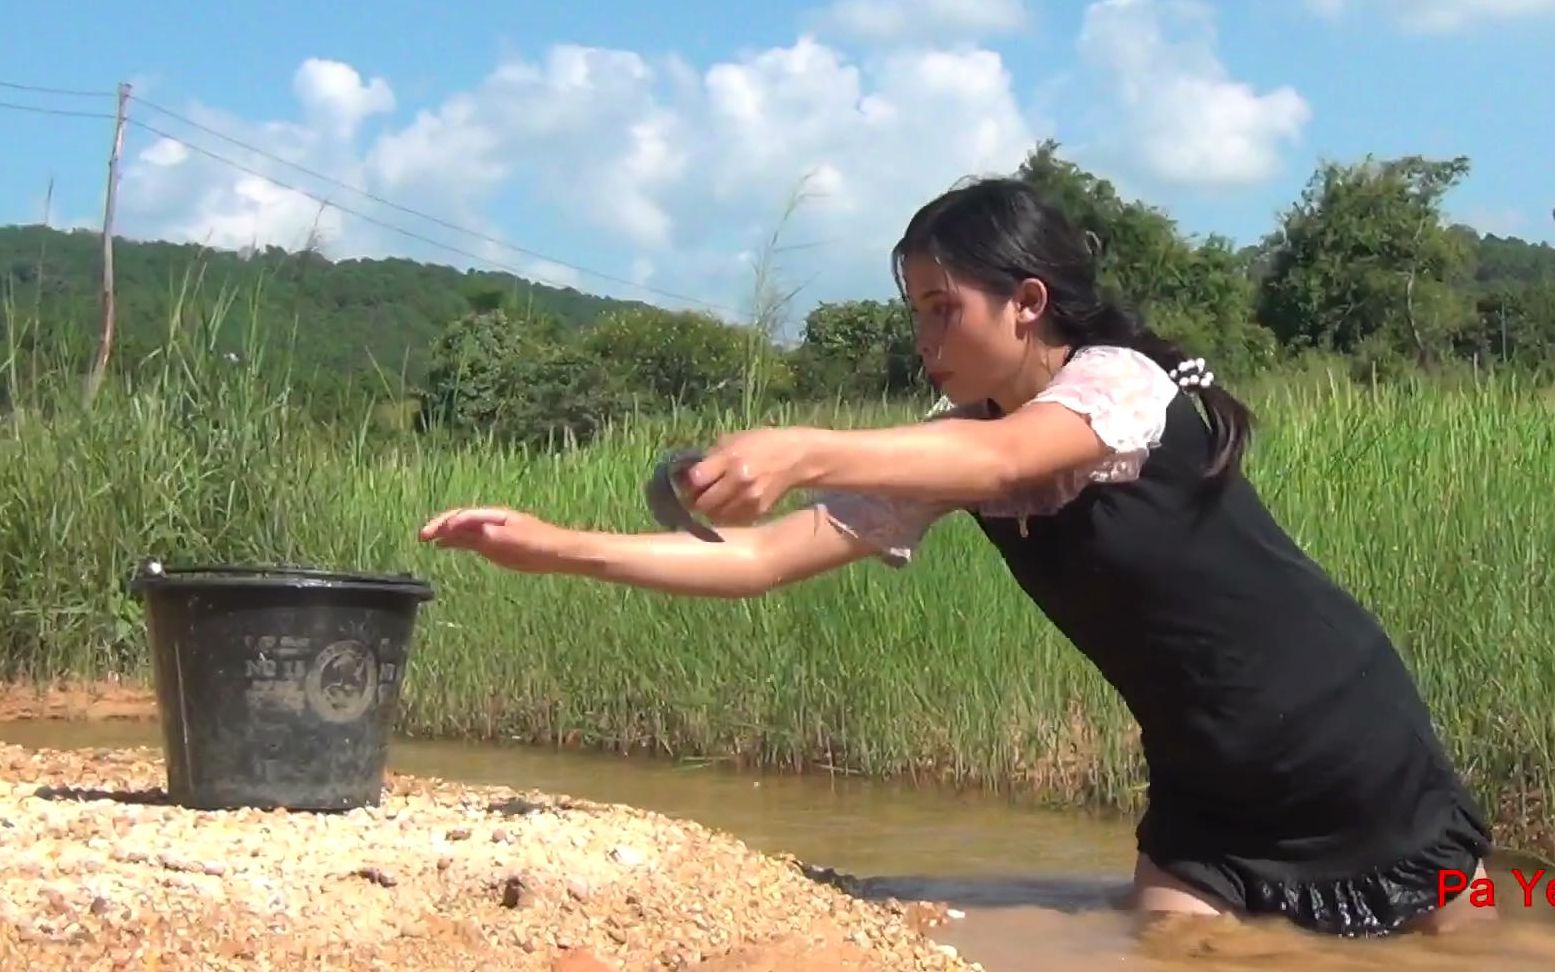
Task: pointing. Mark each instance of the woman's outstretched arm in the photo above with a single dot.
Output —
(749, 562)
(1107, 404)
(950, 461)
(965, 460)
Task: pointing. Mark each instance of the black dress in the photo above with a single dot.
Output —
(1293, 767)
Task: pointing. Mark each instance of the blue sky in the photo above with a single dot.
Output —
(662, 151)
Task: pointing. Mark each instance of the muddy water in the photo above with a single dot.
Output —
(1036, 886)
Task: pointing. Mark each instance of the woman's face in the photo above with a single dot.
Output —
(973, 344)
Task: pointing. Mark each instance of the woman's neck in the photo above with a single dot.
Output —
(1035, 372)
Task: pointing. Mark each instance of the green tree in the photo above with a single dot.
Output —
(1209, 310)
(1141, 254)
(663, 358)
(1363, 264)
(857, 348)
(518, 381)
(1513, 324)
(1198, 295)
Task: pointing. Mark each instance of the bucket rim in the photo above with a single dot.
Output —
(151, 573)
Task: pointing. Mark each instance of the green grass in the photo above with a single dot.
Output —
(1431, 504)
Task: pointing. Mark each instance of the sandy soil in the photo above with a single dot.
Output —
(78, 700)
(101, 872)
(98, 871)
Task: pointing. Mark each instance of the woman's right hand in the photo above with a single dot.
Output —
(505, 537)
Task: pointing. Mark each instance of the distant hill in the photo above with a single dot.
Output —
(1506, 261)
(353, 314)
(348, 313)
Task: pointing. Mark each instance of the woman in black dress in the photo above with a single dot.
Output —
(1293, 768)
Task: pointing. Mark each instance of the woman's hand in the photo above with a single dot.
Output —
(505, 537)
(745, 474)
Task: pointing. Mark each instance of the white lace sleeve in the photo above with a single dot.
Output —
(894, 525)
(1124, 395)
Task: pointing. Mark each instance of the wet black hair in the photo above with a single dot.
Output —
(998, 232)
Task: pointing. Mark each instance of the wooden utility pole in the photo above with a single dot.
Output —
(105, 343)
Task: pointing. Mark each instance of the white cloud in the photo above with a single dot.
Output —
(334, 94)
(585, 123)
(175, 193)
(676, 170)
(253, 212)
(170, 192)
(165, 152)
(1438, 16)
(1190, 122)
(934, 21)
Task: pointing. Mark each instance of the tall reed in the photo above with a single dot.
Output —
(1430, 504)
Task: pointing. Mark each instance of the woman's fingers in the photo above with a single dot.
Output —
(473, 519)
(731, 507)
(722, 487)
(434, 526)
(463, 520)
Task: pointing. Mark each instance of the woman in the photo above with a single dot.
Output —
(1293, 767)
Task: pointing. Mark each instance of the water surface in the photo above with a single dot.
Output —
(1037, 886)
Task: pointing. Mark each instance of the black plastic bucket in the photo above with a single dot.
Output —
(278, 686)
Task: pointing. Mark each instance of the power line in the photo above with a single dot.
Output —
(412, 212)
(484, 237)
(39, 109)
(399, 229)
(68, 92)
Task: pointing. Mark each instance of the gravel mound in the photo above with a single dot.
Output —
(100, 871)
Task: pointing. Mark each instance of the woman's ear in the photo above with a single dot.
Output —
(1030, 301)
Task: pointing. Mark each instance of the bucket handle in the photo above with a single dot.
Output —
(147, 570)
(664, 500)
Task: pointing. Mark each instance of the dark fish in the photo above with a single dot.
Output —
(664, 500)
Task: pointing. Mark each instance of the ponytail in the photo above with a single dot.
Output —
(1230, 421)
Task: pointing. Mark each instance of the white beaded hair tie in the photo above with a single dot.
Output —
(1191, 374)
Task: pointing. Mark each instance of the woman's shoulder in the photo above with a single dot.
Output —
(1097, 371)
(1118, 366)
(1125, 394)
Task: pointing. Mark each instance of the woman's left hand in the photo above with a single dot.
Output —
(745, 474)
